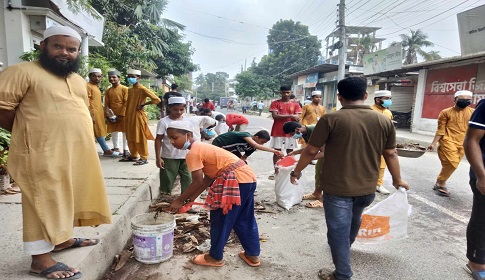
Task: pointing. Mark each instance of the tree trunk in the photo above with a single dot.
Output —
(4, 182)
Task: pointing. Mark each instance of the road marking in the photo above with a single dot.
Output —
(440, 208)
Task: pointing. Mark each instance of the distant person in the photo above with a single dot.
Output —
(235, 122)
(230, 199)
(207, 104)
(312, 112)
(349, 181)
(254, 105)
(170, 160)
(382, 102)
(293, 99)
(172, 93)
(115, 100)
(243, 144)
(97, 111)
(452, 126)
(191, 105)
(137, 131)
(475, 153)
(282, 111)
(260, 107)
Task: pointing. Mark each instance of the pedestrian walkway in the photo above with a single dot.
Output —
(129, 194)
(130, 190)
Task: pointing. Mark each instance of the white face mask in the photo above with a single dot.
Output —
(186, 144)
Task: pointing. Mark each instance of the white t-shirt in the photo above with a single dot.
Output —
(200, 122)
(168, 150)
(214, 114)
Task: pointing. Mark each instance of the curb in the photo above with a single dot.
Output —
(100, 258)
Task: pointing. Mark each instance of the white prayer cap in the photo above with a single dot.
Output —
(181, 125)
(316, 92)
(463, 92)
(176, 100)
(95, 70)
(61, 30)
(383, 93)
(133, 72)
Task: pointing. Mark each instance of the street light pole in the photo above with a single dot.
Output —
(342, 51)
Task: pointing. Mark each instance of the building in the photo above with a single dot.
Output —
(321, 77)
(22, 24)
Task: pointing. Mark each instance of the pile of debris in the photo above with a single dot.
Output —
(410, 147)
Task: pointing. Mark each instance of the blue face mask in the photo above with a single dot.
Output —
(131, 81)
(297, 135)
(186, 144)
(386, 103)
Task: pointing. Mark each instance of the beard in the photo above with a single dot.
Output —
(62, 69)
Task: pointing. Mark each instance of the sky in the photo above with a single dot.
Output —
(226, 34)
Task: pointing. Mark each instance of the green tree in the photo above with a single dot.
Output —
(291, 49)
(432, 55)
(212, 85)
(184, 82)
(364, 45)
(412, 45)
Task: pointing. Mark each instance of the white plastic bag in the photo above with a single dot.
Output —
(288, 194)
(387, 220)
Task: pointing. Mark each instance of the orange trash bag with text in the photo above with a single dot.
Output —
(387, 220)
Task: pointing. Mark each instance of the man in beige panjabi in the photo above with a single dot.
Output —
(45, 105)
(115, 101)
(97, 111)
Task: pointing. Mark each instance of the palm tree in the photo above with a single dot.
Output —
(412, 45)
(432, 55)
(365, 45)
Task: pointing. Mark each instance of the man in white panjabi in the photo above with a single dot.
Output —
(52, 156)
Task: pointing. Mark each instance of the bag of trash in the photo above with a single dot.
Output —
(387, 220)
(288, 194)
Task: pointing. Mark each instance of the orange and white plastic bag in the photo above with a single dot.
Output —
(387, 220)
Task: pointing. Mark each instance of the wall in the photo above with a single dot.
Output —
(3, 37)
(18, 38)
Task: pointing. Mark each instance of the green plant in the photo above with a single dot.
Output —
(4, 144)
(153, 112)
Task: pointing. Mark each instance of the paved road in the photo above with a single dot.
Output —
(296, 239)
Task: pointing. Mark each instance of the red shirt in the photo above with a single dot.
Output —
(282, 108)
(209, 105)
(232, 119)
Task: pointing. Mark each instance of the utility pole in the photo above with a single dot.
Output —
(342, 51)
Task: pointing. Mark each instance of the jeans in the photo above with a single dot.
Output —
(475, 232)
(343, 215)
(102, 143)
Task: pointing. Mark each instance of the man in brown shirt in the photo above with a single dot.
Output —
(355, 137)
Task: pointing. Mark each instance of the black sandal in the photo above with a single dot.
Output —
(141, 162)
(441, 191)
(128, 159)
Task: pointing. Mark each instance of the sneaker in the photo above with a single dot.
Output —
(382, 190)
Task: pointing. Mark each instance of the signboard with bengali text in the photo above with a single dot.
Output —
(383, 60)
(441, 85)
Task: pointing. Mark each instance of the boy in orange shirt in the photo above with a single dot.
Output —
(230, 199)
(240, 121)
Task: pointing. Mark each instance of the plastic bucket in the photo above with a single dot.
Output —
(153, 238)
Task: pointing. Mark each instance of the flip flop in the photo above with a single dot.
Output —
(200, 260)
(441, 191)
(128, 159)
(314, 204)
(141, 162)
(243, 256)
(326, 274)
(77, 244)
(57, 267)
(310, 196)
(477, 275)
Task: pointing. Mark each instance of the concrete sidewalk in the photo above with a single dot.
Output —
(129, 194)
(130, 189)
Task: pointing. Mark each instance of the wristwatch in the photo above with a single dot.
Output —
(292, 174)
